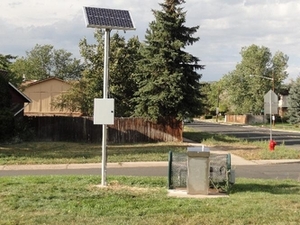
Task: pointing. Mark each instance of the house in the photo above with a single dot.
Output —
(18, 100)
(43, 93)
(283, 105)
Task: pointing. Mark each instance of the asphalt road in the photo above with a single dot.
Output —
(250, 133)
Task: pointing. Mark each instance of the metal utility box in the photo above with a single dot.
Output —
(198, 170)
(104, 111)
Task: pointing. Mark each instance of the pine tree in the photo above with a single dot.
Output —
(294, 103)
(167, 79)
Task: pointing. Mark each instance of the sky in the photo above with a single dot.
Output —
(225, 27)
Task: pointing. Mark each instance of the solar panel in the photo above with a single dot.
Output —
(108, 18)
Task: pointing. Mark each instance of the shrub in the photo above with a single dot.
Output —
(6, 124)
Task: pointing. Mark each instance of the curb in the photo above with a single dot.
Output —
(82, 166)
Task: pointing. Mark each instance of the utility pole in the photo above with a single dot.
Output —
(218, 104)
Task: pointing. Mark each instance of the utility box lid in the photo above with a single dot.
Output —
(198, 151)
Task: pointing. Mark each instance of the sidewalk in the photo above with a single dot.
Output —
(82, 166)
(235, 161)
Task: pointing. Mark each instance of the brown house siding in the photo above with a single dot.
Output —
(43, 93)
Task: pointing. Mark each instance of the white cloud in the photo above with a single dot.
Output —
(225, 27)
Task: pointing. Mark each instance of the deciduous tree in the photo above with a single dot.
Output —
(294, 102)
(6, 62)
(253, 77)
(44, 61)
(122, 63)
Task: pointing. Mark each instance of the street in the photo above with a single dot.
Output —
(250, 133)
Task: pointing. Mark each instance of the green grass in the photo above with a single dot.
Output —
(67, 152)
(142, 200)
(281, 126)
(209, 138)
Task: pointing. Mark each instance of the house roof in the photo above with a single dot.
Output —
(14, 89)
(26, 99)
(35, 82)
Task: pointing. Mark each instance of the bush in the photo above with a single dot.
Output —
(22, 131)
(6, 124)
(208, 117)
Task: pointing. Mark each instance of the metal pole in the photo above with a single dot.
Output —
(270, 115)
(170, 183)
(273, 84)
(218, 104)
(105, 88)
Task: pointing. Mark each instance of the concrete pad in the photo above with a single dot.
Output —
(182, 193)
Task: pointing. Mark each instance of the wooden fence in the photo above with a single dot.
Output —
(124, 130)
(245, 119)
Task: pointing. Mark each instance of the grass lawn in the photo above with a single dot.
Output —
(281, 126)
(67, 152)
(142, 200)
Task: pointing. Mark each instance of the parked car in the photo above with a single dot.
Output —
(188, 120)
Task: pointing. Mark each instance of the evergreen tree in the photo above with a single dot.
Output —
(167, 79)
(294, 103)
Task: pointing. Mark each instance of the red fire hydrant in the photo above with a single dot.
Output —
(272, 145)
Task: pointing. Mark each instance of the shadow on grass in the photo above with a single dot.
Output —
(203, 136)
(278, 189)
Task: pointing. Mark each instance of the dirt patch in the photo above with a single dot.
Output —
(116, 186)
(244, 151)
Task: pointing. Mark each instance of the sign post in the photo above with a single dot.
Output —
(271, 107)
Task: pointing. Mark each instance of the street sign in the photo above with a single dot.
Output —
(271, 103)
